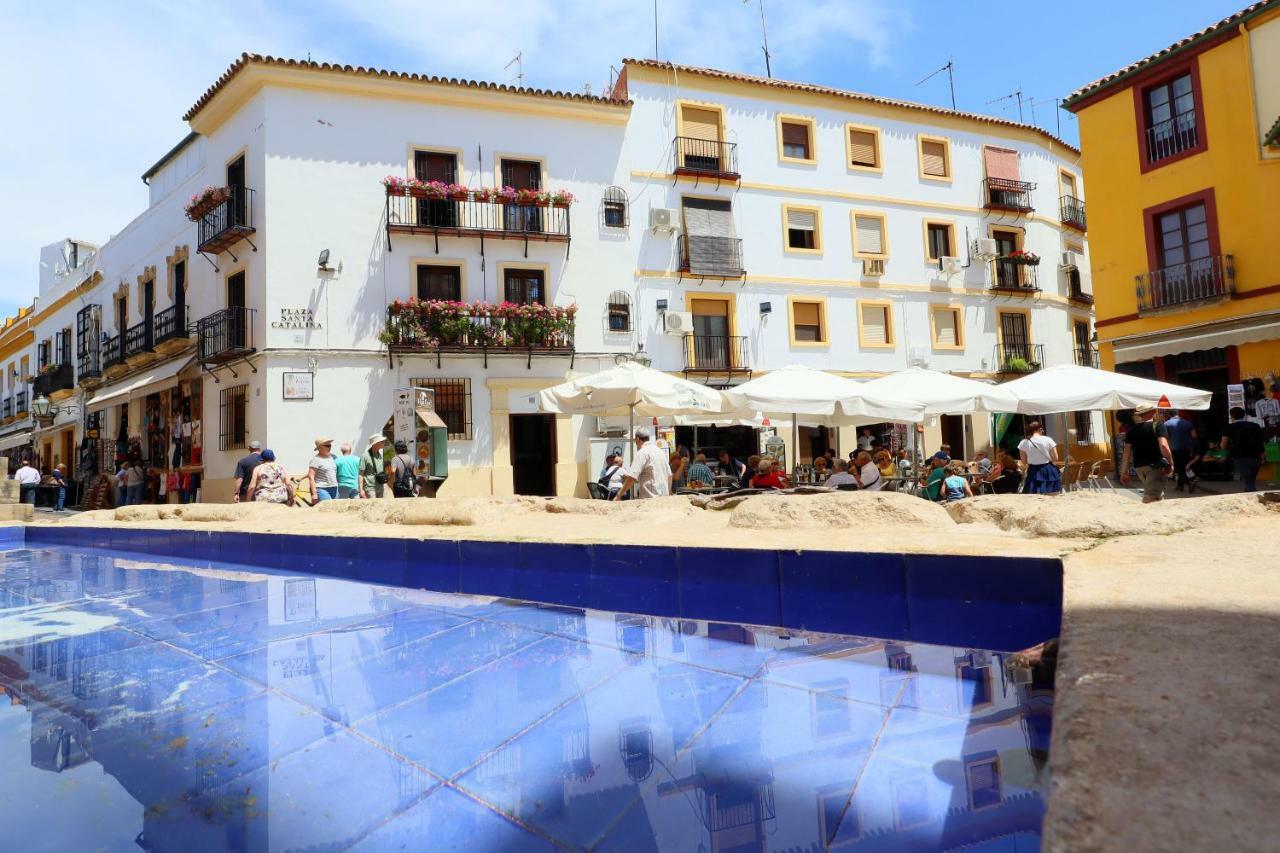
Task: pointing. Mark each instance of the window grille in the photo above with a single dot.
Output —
(453, 404)
(233, 409)
(613, 208)
(619, 312)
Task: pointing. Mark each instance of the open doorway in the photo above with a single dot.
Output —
(533, 454)
(954, 434)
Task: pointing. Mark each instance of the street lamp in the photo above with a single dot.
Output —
(45, 411)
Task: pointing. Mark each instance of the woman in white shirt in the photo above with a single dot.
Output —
(1039, 454)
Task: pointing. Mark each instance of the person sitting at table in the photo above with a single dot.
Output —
(932, 483)
(1005, 476)
(769, 476)
(700, 476)
(955, 486)
(841, 477)
(679, 469)
(820, 471)
(868, 474)
(982, 463)
(884, 461)
(730, 467)
(749, 472)
(903, 463)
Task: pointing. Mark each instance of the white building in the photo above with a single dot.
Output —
(791, 223)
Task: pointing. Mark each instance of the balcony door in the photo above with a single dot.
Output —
(236, 183)
(148, 311)
(1084, 347)
(439, 283)
(522, 175)
(436, 166)
(1015, 337)
(122, 317)
(700, 139)
(1171, 118)
(1006, 271)
(525, 287)
(710, 245)
(1185, 255)
(180, 297)
(710, 334)
(237, 317)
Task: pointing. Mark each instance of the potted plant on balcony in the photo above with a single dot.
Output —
(396, 185)
(459, 192)
(1021, 256)
(539, 198)
(204, 201)
(509, 195)
(562, 198)
(488, 195)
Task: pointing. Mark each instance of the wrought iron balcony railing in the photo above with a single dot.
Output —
(1018, 357)
(1071, 212)
(1202, 280)
(112, 351)
(709, 157)
(139, 339)
(89, 362)
(1171, 137)
(171, 324)
(228, 223)
(59, 378)
(1014, 276)
(1004, 194)
(547, 331)
(1086, 356)
(447, 217)
(225, 335)
(714, 257)
(716, 353)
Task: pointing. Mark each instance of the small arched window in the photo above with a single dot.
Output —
(618, 316)
(613, 208)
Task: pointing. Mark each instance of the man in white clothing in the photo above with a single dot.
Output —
(841, 477)
(28, 478)
(649, 472)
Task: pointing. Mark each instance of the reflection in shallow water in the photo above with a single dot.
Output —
(208, 710)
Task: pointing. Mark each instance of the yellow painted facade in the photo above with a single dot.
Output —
(1236, 73)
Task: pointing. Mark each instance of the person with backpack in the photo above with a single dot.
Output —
(403, 479)
(613, 475)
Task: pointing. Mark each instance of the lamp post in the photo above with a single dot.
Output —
(45, 411)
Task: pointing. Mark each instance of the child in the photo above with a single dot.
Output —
(955, 487)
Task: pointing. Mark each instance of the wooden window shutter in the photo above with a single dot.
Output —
(934, 158)
(1001, 163)
(875, 324)
(862, 148)
(802, 220)
(805, 314)
(946, 333)
(701, 124)
(870, 231)
(796, 134)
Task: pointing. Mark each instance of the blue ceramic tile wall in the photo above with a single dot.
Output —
(12, 536)
(983, 602)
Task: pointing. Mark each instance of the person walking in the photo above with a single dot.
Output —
(322, 471)
(28, 478)
(269, 482)
(244, 470)
(59, 474)
(1182, 441)
(1243, 439)
(348, 470)
(650, 470)
(1146, 448)
(403, 481)
(373, 470)
(135, 481)
(1039, 454)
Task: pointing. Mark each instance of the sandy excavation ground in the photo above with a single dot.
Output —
(1167, 722)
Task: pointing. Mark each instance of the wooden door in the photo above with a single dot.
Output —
(436, 166)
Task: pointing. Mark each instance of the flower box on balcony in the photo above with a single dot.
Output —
(431, 324)
(205, 201)
(1030, 259)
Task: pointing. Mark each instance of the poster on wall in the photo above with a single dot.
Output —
(1235, 396)
(299, 385)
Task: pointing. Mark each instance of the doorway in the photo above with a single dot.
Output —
(953, 434)
(533, 454)
(237, 328)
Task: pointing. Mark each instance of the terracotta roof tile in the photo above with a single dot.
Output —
(844, 93)
(247, 59)
(1132, 68)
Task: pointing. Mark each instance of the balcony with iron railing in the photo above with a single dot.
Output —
(1173, 136)
(229, 222)
(479, 329)
(472, 217)
(716, 354)
(51, 379)
(139, 339)
(709, 158)
(1012, 276)
(225, 335)
(711, 257)
(1086, 355)
(1006, 194)
(1018, 357)
(1211, 279)
(112, 351)
(89, 360)
(1071, 212)
(171, 324)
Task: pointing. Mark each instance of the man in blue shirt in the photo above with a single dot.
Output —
(1182, 441)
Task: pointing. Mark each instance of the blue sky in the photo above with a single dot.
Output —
(93, 93)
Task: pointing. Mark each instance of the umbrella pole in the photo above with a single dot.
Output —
(631, 433)
(795, 445)
(964, 437)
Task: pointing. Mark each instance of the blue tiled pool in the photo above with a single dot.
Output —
(158, 704)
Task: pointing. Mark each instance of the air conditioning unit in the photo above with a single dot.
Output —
(1071, 260)
(985, 248)
(662, 219)
(677, 322)
(872, 266)
(1020, 675)
(611, 427)
(949, 265)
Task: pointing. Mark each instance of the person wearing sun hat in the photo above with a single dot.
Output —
(373, 468)
(1146, 446)
(322, 471)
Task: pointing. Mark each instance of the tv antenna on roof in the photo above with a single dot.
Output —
(1016, 94)
(950, 68)
(518, 62)
(764, 38)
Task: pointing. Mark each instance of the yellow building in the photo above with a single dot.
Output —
(1182, 150)
(17, 341)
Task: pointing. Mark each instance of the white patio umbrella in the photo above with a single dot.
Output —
(631, 389)
(945, 394)
(1073, 388)
(802, 394)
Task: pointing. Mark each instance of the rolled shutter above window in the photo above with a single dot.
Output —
(944, 326)
(795, 139)
(803, 220)
(870, 233)
(875, 324)
(1001, 163)
(862, 148)
(701, 124)
(933, 157)
(805, 314)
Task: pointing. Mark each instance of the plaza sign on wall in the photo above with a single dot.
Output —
(296, 318)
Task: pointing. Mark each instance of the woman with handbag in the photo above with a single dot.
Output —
(373, 469)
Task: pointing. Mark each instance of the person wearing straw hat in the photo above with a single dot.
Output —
(322, 471)
(373, 468)
(1146, 447)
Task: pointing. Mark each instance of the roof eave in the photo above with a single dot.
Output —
(168, 156)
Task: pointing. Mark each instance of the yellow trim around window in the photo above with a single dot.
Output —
(731, 305)
(921, 139)
(956, 309)
(812, 129)
(698, 105)
(848, 149)
(891, 337)
(824, 333)
(924, 230)
(1026, 312)
(435, 261)
(884, 234)
(817, 229)
(1062, 184)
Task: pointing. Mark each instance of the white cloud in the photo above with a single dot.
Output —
(93, 93)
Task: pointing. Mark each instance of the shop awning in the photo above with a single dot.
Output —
(17, 439)
(1222, 333)
(146, 382)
